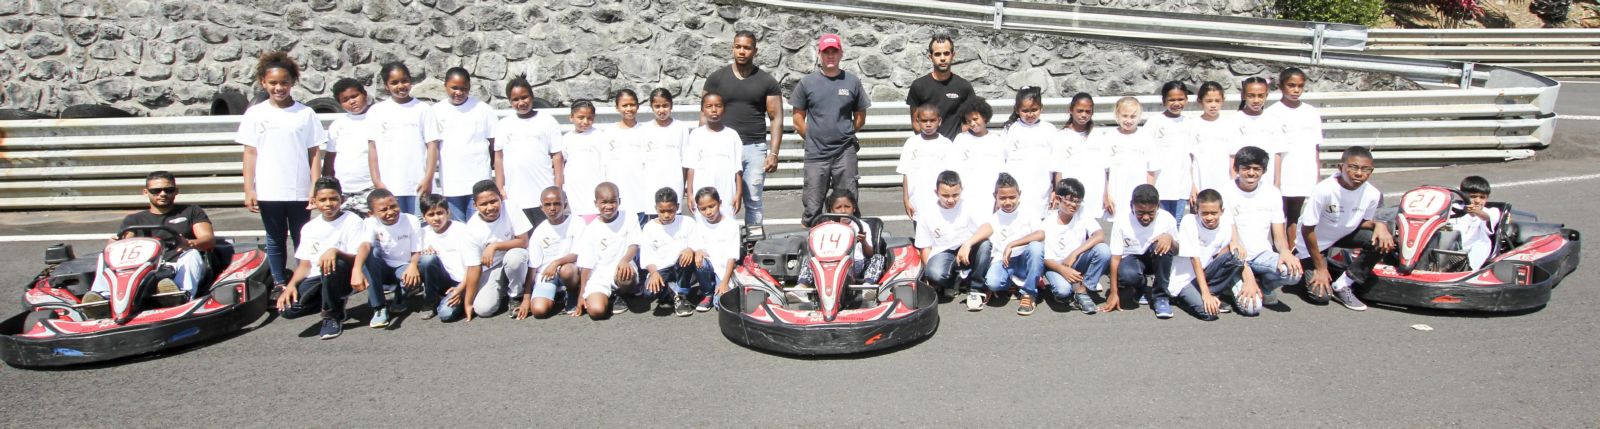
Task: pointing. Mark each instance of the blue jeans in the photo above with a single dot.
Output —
(1221, 273)
(942, 267)
(1091, 264)
(1134, 267)
(379, 273)
(282, 220)
(435, 282)
(328, 289)
(1176, 208)
(1265, 267)
(460, 207)
(1026, 263)
(755, 181)
(408, 204)
(706, 276)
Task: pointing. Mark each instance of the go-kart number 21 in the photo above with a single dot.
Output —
(1423, 202)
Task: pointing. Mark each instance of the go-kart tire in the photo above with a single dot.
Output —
(93, 111)
(20, 115)
(35, 318)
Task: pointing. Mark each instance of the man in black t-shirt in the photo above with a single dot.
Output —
(942, 88)
(189, 221)
(753, 105)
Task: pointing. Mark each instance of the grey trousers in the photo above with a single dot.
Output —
(824, 176)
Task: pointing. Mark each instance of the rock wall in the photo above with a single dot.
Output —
(173, 57)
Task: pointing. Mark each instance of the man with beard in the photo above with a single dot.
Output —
(754, 102)
(942, 87)
(188, 221)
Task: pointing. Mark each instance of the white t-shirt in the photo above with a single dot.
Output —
(318, 235)
(1008, 227)
(550, 242)
(1196, 243)
(1131, 161)
(624, 166)
(398, 241)
(1477, 235)
(1302, 136)
(1061, 239)
(716, 157)
(1172, 145)
(1336, 212)
(1253, 214)
(526, 147)
(979, 161)
(448, 247)
(401, 133)
(661, 244)
(940, 229)
(1079, 157)
(464, 158)
(480, 234)
(584, 170)
(603, 244)
(281, 138)
(347, 136)
(1215, 144)
(1265, 132)
(663, 158)
(719, 240)
(921, 161)
(1128, 237)
(1028, 149)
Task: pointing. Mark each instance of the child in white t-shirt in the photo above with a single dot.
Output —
(585, 153)
(327, 252)
(1075, 252)
(497, 253)
(866, 263)
(280, 138)
(552, 263)
(403, 145)
(1141, 245)
(466, 129)
(1028, 150)
(1019, 259)
(978, 155)
(388, 256)
(345, 155)
(665, 256)
(1257, 211)
(1172, 138)
(1206, 265)
(1478, 227)
(1131, 160)
(1341, 212)
(715, 155)
(607, 254)
(624, 160)
(1216, 138)
(716, 246)
(1298, 170)
(443, 250)
(922, 158)
(666, 142)
(1076, 156)
(527, 151)
(952, 236)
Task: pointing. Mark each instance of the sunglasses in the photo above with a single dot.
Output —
(166, 190)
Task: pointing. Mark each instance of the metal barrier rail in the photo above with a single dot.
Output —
(1564, 52)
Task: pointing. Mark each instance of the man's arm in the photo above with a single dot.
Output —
(800, 121)
(204, 240)
(775, 130)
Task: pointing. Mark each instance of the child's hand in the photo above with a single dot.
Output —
(1113, 303)
(1163, 244)
(686, 258)
(412, 277)
(626, 272)
(290, 295)
(963, 253)
(1382, 239)
(358, 281)
(328, 262)
(488, 257)
(548, 273)
(525, 309)
(1212, 304)
(654, 283)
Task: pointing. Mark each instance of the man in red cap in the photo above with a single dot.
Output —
(829, 107)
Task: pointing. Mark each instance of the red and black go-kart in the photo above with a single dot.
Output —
(1428, 269)
(835, 316)
(57, 328)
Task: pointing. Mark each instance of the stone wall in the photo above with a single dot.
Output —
(173, 57)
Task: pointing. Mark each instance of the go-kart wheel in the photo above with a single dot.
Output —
(752, 299)
(35, 318)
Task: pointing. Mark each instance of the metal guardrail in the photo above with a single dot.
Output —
(1563, 52)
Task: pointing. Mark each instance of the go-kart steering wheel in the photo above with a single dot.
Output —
(861, 227)
(169, 239)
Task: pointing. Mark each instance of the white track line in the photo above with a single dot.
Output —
(1579, 117)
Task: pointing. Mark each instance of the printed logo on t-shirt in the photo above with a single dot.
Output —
(1061, 243)
(844, 92)
(952, 95)
(548, 242)
(177, 220)
(1333, 208)
(1127, 241)
(938, 232)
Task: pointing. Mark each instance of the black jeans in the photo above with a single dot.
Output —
(330, 289)
(824, 176)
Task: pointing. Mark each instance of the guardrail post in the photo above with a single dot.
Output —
(1466, 74)
(1317, 41)
(999, 13)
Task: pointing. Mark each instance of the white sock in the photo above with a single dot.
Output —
(1343, 282)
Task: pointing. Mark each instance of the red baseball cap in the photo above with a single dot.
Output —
(829, 40)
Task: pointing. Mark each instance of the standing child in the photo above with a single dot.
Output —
(443, 250)
(1076, 156)
(952, 236)
(1027, 151)
(403, 145)
(1141, 245)
(714, 155)
(607, 252)
(1130, 156)
(1075, 253)
(1258, 217)
(1342, 214)
(1256, 128)
(1172, 135)
(1010, 228)
(327, 258)
(280, 138)
(665, 142)
(716, 246)
(1206, 264)
(1477, 228)
(389, 253)
(345, 157)
(624, 162)
(922, 157)
(496, 255)
(585, 152)
(1298, 169)
(665, 254)
(554, 266)
(466, 128)
(1216, 138)
(527, 151)
(978, 154)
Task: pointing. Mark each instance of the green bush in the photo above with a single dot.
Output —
(1361, 12)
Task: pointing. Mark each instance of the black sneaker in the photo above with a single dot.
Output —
(681, 307)
(331, 329)
(619, 305)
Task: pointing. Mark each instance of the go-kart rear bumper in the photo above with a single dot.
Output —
(823, 339)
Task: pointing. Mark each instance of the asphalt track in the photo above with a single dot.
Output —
(1311, 366)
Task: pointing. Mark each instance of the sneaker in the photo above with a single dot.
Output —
(1085, 303)
(380, 318)
(1269, 298)
(1024, 305)
(1144, 300)
(681, 307)
(619, 305)
(1348, 298)
(430, 315)
(166, 286)
(331, 329)
(975, 301)
(704, 305)
(1224, 308)
(398, 305)
(1163, 308)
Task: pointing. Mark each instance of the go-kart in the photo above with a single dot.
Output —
(835, 316)
(57, 327)
(1428, 269)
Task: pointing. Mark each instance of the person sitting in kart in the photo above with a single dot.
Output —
(868, 263)
(1477, 228)
(188, 221)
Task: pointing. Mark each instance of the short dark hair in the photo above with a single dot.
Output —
(1173, 85)
(432, 201)
(746, 33)
(1146, 194)
(328, 182)
(378, 194)
(949, 178)
(707, 192)
(925, 107)
(977, 104)
(346, 84)
(1208, 196)
(519, 81)
(161, 174)
(1355, 152)
(1069, 187)
(461, 72)
(1475, 185)
(485, 185)
(662, 93)
(582, 104)
(390, 68)
(666, 195)
(941, 37)
(1005, 181)
(1248, 156)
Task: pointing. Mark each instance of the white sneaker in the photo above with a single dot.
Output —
(975, 300)
(380, 318)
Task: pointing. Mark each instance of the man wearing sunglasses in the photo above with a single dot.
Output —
(189, 221)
